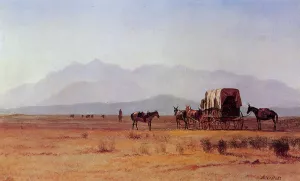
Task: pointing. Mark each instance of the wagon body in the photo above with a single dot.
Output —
(221, 105)
(226, 102)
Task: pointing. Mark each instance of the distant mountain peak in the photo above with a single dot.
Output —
(96, 61)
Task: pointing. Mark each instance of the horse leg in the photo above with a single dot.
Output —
(133, 124)
(257, 124)
(274, 121)
(150, 126)
(136, 125)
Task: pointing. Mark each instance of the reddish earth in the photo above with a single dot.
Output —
(64, 148)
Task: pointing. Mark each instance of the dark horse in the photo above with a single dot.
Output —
(137, 116)
(142, 117)
(180, 115)
(263, 114)
(149, 116)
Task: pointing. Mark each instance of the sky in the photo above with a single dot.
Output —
(257, 37)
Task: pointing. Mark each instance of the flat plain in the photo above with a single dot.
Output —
(36, 147)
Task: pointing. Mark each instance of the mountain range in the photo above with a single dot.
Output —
(99, 83)
(162, 103)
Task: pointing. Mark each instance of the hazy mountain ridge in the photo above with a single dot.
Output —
(101, 82)
(162, 103)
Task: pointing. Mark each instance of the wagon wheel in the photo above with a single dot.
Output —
(241, 121)
(227, 124)
(204, 122)
(235, 124)
(214, 123)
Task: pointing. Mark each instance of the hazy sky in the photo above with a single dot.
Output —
(259, 37)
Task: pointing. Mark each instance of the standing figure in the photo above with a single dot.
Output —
(120, 115)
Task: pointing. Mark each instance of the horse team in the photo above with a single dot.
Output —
(189, 115)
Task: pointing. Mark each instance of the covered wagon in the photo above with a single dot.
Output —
(222, 106)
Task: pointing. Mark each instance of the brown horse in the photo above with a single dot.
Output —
(263, 114)
(149, 116)
(180, 115)
(137, 116)
(195, 115)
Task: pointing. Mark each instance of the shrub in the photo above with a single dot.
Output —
(106, 146)
(244, 143)
(162, 138)
(134, 135)
(281, 147)
(144, 149)
(84, 135)
(191, 145)
(222, 146)
(258, 142)
(161, 148)
(233, 143)
(295, 142)
(238, 143)
(206, 145)
(179, 148)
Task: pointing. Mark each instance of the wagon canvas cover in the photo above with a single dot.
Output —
(215, 98)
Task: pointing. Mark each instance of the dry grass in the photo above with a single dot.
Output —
(206, 145)
(62, 154)
(85, 135)
(106, 145)
(161, 148)
(180, 148)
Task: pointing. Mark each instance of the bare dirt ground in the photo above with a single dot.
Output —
(64, 148)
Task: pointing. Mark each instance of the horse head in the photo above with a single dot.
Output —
(175, 110)
(156, 113)
(187, 107)
(249, 109)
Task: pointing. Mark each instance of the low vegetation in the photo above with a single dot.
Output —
(84, 135)
(258, 142)
(106, 145)
(144, 149)
(179, 148)
(134, 135)
(161, 148)
(222, 147)
(280, 147)
(206, 145)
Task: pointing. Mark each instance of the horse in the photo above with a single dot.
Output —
(263, 114)
(194, 114)
(72, 115)
(87, 116)
(149, 116)
(92, 116)
(103, 116)
(120, 115)
(137, 116)
(180, 115)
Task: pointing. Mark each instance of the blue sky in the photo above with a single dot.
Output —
(259, 37)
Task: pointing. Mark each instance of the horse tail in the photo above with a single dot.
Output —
(276, 115)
